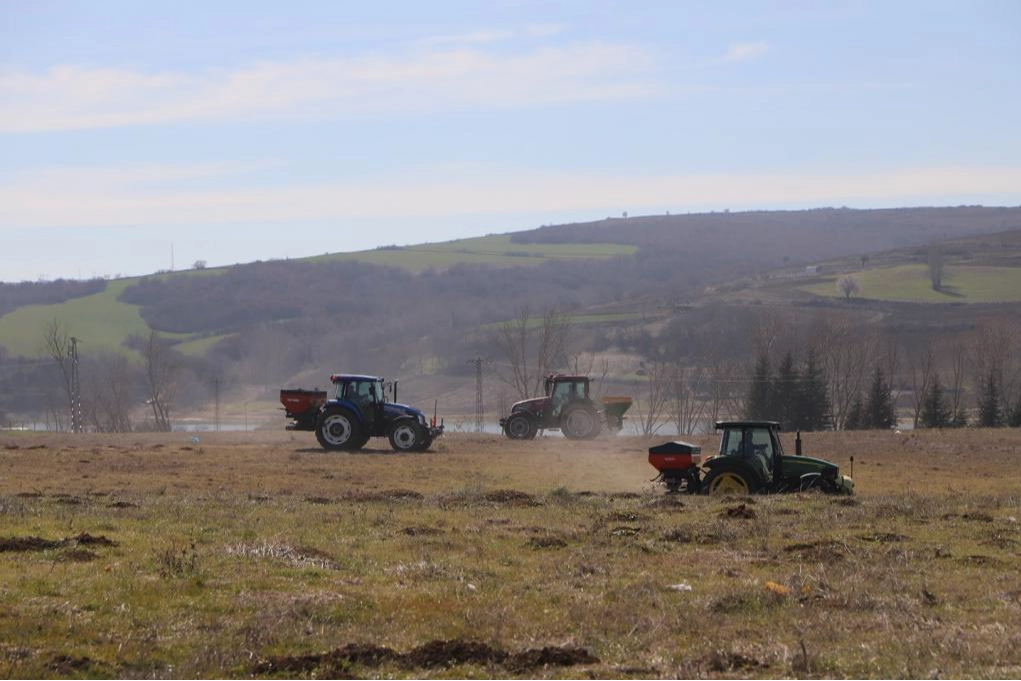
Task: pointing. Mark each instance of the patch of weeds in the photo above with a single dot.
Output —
(748, 602)
(175, 561)
(12, 507)
(77, 556)
(884, 537)
(421, 531)
(385, 495)
(822, 551)
(681, 535)
(510, 496)
(742, 512)
(626, 517)
(546, 542)
(625, 531)
(293, 556)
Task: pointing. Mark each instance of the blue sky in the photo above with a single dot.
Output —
(234, 131)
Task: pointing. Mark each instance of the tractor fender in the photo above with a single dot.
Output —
(734, 464)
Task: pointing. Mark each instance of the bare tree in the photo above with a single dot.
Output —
(848, 352)
(687, 402)
(921, 369)
(848, 285)
(652, 404)
(161, 372)
(58, 347)
(936, 263)
(958, 364)
(531, 348)
(110, 394)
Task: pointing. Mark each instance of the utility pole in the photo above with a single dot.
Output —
(76, 389)
(480, 410)
(216, 399)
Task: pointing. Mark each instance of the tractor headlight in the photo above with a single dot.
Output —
(421, 419)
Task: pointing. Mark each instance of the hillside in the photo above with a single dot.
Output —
(422, 310)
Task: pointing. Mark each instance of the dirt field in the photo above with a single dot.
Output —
(257, 553)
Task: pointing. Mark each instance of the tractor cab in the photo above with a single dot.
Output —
(563, 390)
(756, 444)
(367, 393)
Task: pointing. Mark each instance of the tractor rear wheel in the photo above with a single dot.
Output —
(730, 480)
(520, 426)
(338, 429)
(580, 423)
(406, 436)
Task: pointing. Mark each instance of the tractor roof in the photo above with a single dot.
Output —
(342, 378)
(721, 425)
(567, 377)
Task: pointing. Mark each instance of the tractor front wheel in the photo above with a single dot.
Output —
(338, 429)
(722, 481)
(580, 423)
(520, 426)
(406, 436)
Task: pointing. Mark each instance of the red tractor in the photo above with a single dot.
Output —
(566, 406)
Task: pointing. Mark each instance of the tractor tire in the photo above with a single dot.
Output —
(406, 435)
(339, 430)
(426, 443)
(732, 480)
(580, 423)
(520, 426)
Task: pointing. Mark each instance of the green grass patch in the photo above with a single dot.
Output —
(911, 283)
(198, 347)
(582, 319)
(98, 320)
(496, 250)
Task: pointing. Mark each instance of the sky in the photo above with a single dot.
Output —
(145, 136)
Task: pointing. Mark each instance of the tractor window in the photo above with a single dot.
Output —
(732, 443)
(360, 392)
(762, 443)
(562, 394)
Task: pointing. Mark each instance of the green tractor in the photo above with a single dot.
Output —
(751, 460)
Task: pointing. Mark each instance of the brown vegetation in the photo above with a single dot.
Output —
(260, 554)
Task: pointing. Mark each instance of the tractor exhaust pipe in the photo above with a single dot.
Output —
(797, 444)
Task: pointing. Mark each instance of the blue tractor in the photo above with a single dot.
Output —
(358, 411)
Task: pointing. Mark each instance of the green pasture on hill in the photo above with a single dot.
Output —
(911, 283)
(98, 320)
(487, 250)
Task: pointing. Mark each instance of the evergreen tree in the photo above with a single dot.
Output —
(855, 415)
(760, 396)
(990, 411)
(935, 411)
(786, 389)
(879, 413)
(1014, 418)
(814, 402)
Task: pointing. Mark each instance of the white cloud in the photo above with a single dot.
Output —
(88, 199)
(743, 52)
(71, 97)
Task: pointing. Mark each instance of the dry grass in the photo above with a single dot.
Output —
(258, 554)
